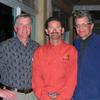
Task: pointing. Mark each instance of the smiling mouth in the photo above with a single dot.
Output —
(54, 33)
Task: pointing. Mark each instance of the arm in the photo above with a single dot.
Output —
(67, 91)
(1, 57)
(4, 93)
(9, 95)
(37, 79)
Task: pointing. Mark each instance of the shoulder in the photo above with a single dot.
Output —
(70, 50)
(70, 47)
(41, 49)
(77, 40)
(34, 43)
(95, 40)
(7, 42)
(96, 36)
(6, 45)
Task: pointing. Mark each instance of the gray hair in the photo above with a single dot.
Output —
(24, 16)
(82, 13)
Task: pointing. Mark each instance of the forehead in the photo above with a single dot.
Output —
(23, 19)
(82, 19)
(54, 22)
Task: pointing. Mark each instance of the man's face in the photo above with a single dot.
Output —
(54, 30)
(23, 27)
(83, 27)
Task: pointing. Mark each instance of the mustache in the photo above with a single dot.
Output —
(54, 33)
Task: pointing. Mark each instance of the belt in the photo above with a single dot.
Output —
(26, 91)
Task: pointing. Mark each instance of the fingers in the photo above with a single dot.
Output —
(9, 95)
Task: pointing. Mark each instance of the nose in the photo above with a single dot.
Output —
(24, 26)
(54, 30)
(80, 27)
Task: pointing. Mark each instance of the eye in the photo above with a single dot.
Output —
(84, 25)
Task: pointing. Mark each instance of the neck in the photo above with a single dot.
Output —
(84, 38)
(55, 42)
(23, 41)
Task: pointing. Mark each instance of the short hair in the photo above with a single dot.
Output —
(82, 13)
(24, 16)
(53, 18)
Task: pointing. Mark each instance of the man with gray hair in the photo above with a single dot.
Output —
(16, 60)
(88, 45)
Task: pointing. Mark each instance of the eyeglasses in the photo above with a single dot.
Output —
(82, 25)
(56, 29)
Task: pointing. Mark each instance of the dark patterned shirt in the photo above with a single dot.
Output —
(16, 63)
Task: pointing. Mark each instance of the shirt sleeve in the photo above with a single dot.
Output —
(1, 58)
(67, 91)
(37, 79)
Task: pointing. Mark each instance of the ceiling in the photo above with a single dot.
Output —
(81, 2)
(88, 2)
(68, 5)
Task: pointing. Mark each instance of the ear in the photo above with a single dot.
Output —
(46, 31)
(92, 26)
(62, 30)
(15, 28)
(31, 28)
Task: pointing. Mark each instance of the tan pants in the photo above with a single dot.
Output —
(23, 96)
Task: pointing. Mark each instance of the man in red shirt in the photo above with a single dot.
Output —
(54, 65)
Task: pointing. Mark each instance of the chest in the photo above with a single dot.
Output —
(55, 61)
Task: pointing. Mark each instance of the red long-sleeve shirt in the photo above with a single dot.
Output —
(54, 70)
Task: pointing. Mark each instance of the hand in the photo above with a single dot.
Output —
(9, 95)
(53, 95)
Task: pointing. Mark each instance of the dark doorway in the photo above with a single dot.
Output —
(6, 22)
